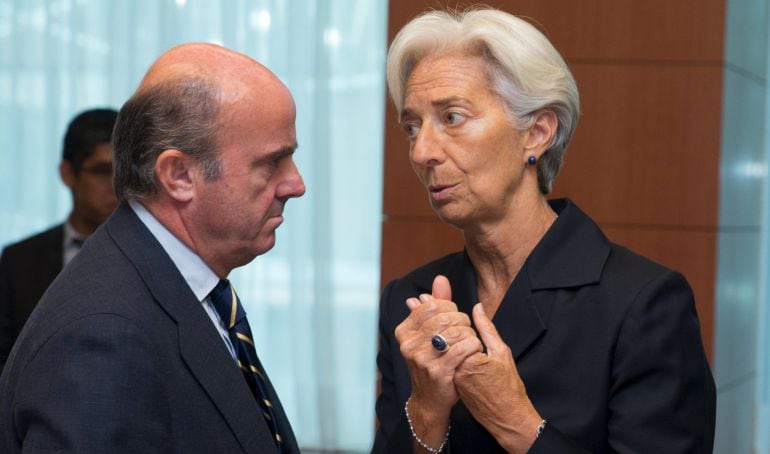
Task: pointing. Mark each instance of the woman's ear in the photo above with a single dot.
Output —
(174, 173)
(541, 133)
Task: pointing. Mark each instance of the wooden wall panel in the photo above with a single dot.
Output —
(681, 30)
(657, 30)
(646, 150)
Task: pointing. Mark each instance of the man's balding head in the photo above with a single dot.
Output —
(210, 62)
(180, 104)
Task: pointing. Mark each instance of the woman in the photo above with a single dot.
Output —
(540, 336)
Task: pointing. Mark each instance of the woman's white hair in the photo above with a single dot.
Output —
(525, 70)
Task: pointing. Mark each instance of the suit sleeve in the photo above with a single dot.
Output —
(95, 386)
(393, 433)
(662, 397)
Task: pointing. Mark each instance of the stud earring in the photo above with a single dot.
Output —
(531, 160)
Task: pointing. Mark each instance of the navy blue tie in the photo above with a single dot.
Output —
(228, 306)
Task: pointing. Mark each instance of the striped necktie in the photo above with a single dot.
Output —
(228, 306)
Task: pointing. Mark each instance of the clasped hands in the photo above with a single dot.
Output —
(488, 383)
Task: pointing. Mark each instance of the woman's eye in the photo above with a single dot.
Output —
(411, 130)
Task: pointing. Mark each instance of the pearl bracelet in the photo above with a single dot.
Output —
(540, 428)
(417, 439)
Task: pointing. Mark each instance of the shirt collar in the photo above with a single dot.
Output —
(194, 270)
(71, 235)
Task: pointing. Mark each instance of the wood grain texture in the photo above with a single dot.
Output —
(646, 150)
(657, 30)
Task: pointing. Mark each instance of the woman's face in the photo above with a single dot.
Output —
(463, 145)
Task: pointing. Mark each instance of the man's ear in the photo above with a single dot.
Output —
(67, 173)
(174, 171)
(541, 132)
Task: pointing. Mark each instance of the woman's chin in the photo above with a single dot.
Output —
(452, 217)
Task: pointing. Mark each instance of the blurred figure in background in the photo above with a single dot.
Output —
(29, 266)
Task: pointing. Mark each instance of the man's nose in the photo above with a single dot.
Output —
(293, 184)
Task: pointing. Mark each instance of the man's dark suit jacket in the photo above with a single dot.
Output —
(27, 268)
(607, 343)
(120, 356)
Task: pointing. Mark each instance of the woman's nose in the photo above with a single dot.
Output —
(426, 149)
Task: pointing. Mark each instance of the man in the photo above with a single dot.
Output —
(136, 347)
(28, 267)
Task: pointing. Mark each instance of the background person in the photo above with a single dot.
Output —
(546, 336)
(29, 266)
(141, 344)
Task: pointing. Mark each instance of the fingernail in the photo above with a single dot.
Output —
(412, 303)
(424, 297)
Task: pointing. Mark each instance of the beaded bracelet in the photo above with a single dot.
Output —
(417, 439)
(540, 428)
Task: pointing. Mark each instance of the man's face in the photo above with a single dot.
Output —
(237, 214)
(92, 192)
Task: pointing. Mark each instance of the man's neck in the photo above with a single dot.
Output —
(80, 225)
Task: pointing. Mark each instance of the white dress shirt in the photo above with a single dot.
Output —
(71, 243)
(194, 270)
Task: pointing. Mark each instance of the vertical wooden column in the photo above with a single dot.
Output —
(644, 161)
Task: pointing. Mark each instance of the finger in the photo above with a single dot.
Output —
(455, 333)
(412, 304)
(487, 331)
(442, 321)
(441, 288)
(421, 326)
(428, 308)
(426, 298)
(459, 351)
(470, 363)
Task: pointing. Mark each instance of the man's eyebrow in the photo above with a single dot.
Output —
(280, 153)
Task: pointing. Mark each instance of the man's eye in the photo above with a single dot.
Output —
(453, 117)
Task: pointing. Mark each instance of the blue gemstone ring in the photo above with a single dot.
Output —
(439, 343)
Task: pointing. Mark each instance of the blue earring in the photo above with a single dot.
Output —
(531, 160)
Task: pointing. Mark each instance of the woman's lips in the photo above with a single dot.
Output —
(440, 192)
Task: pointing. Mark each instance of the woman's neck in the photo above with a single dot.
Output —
(499, 251)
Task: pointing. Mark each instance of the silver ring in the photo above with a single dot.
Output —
(439, 343)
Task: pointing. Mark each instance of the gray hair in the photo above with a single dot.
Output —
(525, 71)
(178, 114)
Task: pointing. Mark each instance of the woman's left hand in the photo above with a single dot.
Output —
(490, 387)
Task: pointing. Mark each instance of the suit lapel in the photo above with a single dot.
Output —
(200, 345)
(571, 254)
(518, 319)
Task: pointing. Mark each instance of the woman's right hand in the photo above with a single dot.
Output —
(432, 372)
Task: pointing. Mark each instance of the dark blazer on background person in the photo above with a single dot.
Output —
(121, 356)
(607, 343)
(27, 268)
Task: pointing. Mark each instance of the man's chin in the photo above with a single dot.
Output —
(265, 243)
